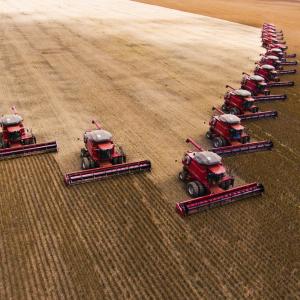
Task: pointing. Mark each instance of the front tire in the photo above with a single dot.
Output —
(83, 152)
(183, 175)
(195, 189)
(85, 163)
(234, 111)
(225, 185)
(218, 142)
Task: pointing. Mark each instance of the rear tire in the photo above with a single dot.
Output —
(85, 163)
(224, 108)
(208, 135)
(83, 152)
(183, 175)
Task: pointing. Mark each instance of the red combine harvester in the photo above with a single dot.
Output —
(258, 87)
(271, 27)
(270, 75)
(279, 53)
(271, 34)
(241, 103)
(208, 183)
(268, 72)
(276, 62)
(229, 137)
(267, 40)
(101, 158)
(16, 140)
(275, 45)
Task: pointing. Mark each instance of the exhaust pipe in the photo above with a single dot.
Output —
(28, 150)
(243, 148)
(191, 206)
(103, 173)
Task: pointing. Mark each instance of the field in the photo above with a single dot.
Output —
(150, 75)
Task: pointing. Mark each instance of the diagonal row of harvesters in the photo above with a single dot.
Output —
(203, 173)
(206, 179)
(101, 158)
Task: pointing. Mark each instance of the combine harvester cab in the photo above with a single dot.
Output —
(101, 159)
(16, 140)
(208, 183)
(270, 75)
(240, 103)
(229, 137)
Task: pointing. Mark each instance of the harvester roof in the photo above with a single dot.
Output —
(256, 78)
(242, 93)
(10, 120)
(276, 50)
(268, 67)
(99, 136)
(229, 119)
(207, 158)
(273, 57)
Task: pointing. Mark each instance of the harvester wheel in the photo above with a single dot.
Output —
(85, 164)
(4, 145)
(83, 152)
(183, 175)
(234, 111)
(92, 164)
(208, 135)
(218, 142)
(115, 160)
(224, 108)
(201, 188)
(225, 185)
(28, 141)
(192, 189)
